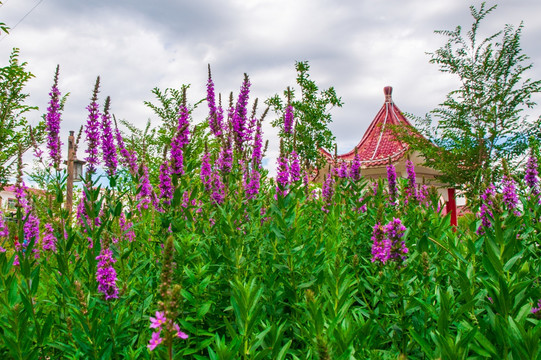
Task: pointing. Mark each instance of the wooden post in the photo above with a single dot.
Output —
(69, 185)
(451, 206)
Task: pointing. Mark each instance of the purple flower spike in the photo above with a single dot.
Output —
(381, 246)
(510, 197)
(411, 190)
(20, 195)
(215, 114)
(181, 139)
(239, 118)
(218, 189)
(257, 153)
(355, 169)
(145, 194)
(295, 167)
(531, 174)
(107, 140)
(126, 227)
(106, 274)
(49, 240)
(31, 229)
(485, 212)
(128, 159)
(225, 159)
(282, 176)
(391, 177)
(4, 231)
(327, 192)
(387, 242)
(166, 186)
(288, 120)
(52, 122)
(206, 171)
(343, 170)
(252, 187)
(394, 231)
(92, 131)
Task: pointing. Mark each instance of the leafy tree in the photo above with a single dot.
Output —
(14, 127)
(481, 122)
(311, 117)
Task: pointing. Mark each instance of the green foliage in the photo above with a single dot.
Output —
(312, 118)
(14, 127)
(283, 274)
(482, 121)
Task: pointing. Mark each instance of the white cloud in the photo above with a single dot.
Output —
(356, 46)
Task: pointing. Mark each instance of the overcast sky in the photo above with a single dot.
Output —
(357, 46)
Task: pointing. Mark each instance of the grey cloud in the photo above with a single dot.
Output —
(356, 46)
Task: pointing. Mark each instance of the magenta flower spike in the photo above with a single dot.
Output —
(240, 114)
(126, 227)
(327, 191)
(531, 176)
(92, 131)
(295, 167)
(343, 170)
(282, 176)
(411, 190)
(206, 171)
(225, 159)
(387, 242)
(257, 153)
(288, 120)
(4, 230)
(391, 177)
(106, 274)
(181, 139)
(218, 189)
(52, 123)
(216, 115)
(381, 246)
(145, 194)
(355, 168)
(128, 159)
(49, 240)
(166, 185)
(31, 229)
(510, 197)
(394, 231)
(485, 212)
(252, 186)
(107, 140)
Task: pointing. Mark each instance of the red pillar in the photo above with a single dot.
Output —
(451, 206)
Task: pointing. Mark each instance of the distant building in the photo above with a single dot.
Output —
(379, 147)
(7, 199)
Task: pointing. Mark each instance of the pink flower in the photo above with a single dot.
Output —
(158, 321)
(155, 340)
(180, 334)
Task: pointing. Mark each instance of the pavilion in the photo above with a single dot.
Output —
(379, 146)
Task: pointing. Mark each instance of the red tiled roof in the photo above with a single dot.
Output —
(379, 143)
